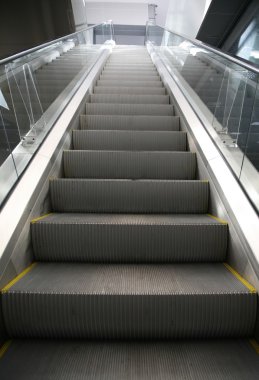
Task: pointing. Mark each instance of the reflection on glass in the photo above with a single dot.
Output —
(26, 103)
(247, 45)
(251, 145)
(33, 91)
(5, 136)
(8, 173)
(224, 94)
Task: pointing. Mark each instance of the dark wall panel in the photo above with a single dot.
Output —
(28, 23)
(220, 19)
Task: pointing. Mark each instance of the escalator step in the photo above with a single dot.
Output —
(116, 238)
(129, 90)
(115, 301)
(127, 66)
(130, 122)
(131, 69)
(129, 165)
(127, 196)
(129, 83)
(129, 109)
(135, 77)
(129, 140)
(207, 359)
(129, 99)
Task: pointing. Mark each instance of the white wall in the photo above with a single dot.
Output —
(120, 13)
(186, 16)
(127, 12)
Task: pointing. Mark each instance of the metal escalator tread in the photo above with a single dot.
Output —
(129, 165)
(129, 90)
(232, 359)
(129, 99)
(129, 140)
(140, 61)
(132, 70)
(129, 238)
(130, 122)
(129, 109)
(129, 301)
(129, 83)
(129, 77)
(128, 66)
(129, 196)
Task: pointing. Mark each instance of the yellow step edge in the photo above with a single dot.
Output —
(4, 348)
(40, 217)
(222, 221)
(241, 279)
(255, 345)
(17, 278)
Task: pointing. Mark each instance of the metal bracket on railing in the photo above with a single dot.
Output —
(28, 140)
(152, 13)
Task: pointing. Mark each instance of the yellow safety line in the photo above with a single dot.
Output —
(255, 345)
(40, 217)
(17, 278)
(4, 348)
(241, 279)
(222, 221)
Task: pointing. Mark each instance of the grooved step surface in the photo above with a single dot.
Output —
(129, 140)
(129, 301)
(80, 360)
(129, 165)
(129, 90)
(129, 99)
(131, 70)
(137, 73)
(129, 196)
(126, 66)
(134, 61)
(130, 122)
(129, 109)
(131, 83)
(135, 76)
(129, 238)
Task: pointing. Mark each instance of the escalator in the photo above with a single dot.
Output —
(130, 277)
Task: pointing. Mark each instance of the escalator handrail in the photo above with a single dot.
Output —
(214, 50)
(46, 44)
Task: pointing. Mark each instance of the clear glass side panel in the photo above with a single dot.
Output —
(102, 33)
(107, 32)
(155, 35)
(8, 139)
(250, 168)
(25, 101)
(33, 92)
(226, 97)
(247, 44)
(9, 127)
